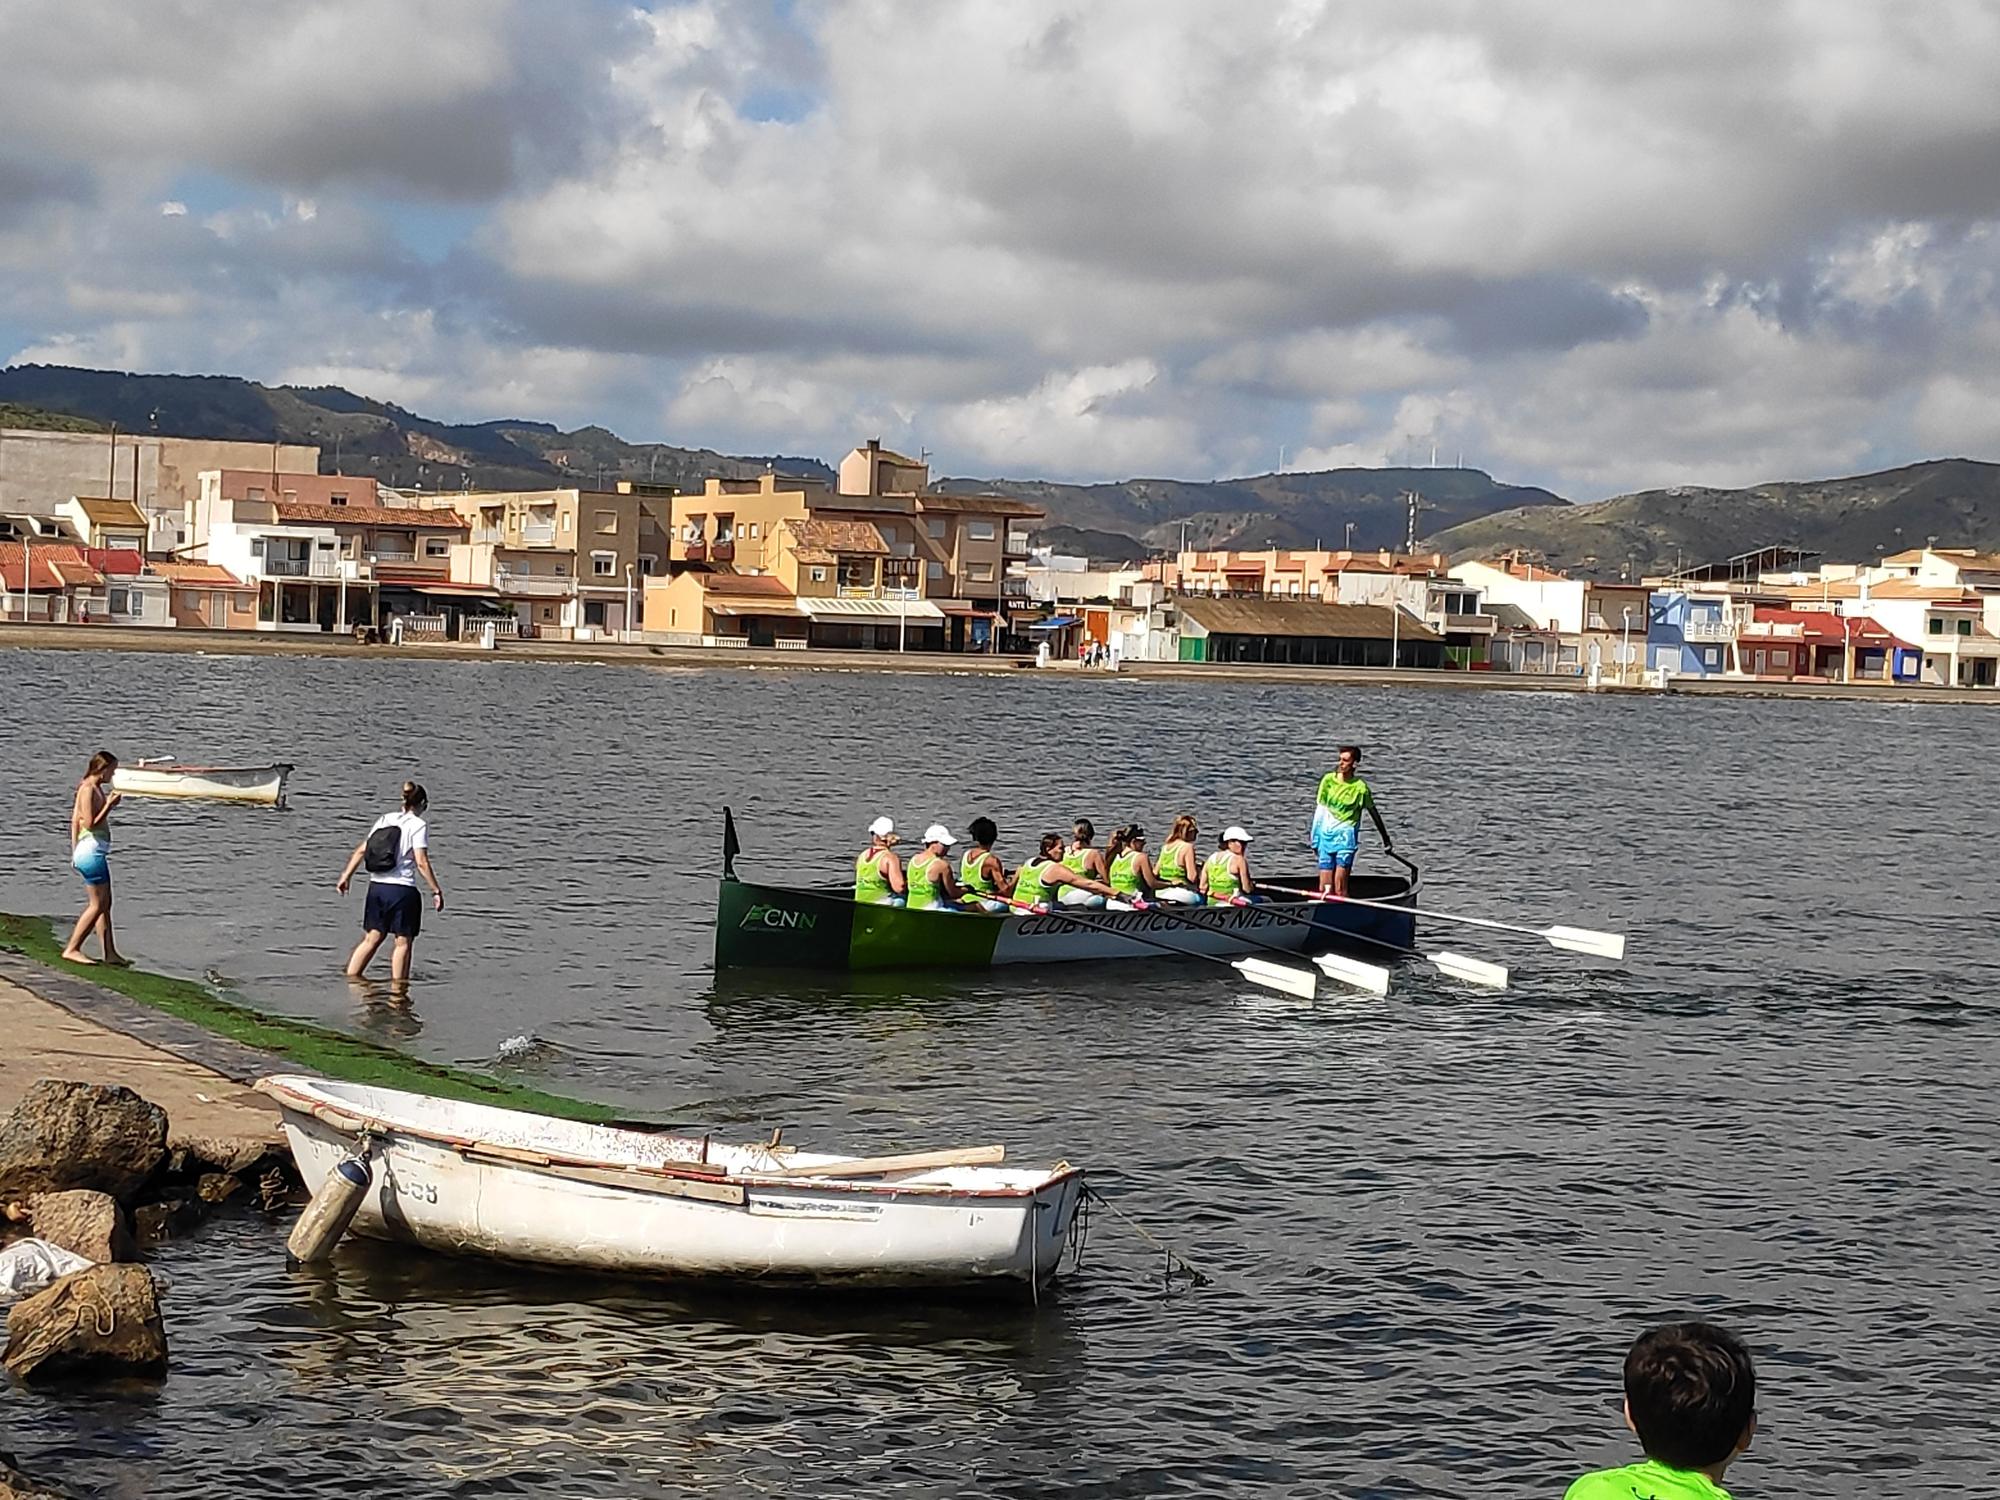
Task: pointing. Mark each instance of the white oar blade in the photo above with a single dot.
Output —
(1282, 977)
(1584, 940)
(1371, 977)
(1471, 970)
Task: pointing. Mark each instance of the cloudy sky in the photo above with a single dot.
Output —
(1591, 246)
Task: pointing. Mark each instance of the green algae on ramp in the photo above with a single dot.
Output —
(315, 1049)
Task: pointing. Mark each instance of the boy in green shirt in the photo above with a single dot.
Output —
(1336, 828)
(1691, 1396)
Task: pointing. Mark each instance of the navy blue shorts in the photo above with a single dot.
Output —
(395, 909)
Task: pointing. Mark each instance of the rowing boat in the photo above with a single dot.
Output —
(264, 785)
(471, 1179)
(761, 925)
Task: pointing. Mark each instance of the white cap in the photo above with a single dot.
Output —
(1234, 834)
(937, 833)
(881, 827)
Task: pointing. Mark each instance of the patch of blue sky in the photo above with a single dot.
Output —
(431, 231)
(782, 106)
(203, 193)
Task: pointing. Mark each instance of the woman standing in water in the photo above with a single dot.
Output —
(395, 853)
(90, 857)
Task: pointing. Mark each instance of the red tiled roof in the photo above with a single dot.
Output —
(370, 515)
(746, 585)
(1823, 627)
(55, 565)
(184, 575)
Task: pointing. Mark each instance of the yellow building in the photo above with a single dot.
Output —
(880, 561)
(571, 563)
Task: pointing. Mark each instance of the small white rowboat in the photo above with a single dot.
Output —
(469, 1179)
(264, 785)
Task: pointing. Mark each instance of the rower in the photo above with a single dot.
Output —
(1037, 876)
(1082, 858)
(1336, 831)
(878, 873)
(1225, 875)
(932, 887)
(1176, 877)
(1131, 871)
(981, 873)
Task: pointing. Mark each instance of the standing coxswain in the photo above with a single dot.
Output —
(1225, 875)
(982, 876)
(928, 875)
(1044, 873)
(1336, 833)
(878, 873)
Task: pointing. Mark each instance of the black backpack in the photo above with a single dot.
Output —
(383, 849)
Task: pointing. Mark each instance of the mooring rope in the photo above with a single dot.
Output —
(1176, 1262)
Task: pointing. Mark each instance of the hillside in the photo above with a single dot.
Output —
(1956, 500)
(361, 436)
(14, 414)
(1285, 510)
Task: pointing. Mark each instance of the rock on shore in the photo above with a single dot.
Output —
(80, 1135)
(82, 1222)
(104, 1321)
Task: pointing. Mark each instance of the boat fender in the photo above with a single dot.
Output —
(332, 1209)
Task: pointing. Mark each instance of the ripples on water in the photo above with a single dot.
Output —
(1435, 1220)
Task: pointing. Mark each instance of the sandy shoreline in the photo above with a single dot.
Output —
(695, 658)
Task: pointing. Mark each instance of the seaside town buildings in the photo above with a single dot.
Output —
(152, 530)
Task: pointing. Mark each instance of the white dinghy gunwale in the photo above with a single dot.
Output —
(725, 1164)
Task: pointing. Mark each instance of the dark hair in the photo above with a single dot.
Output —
(1692, 1392)
(1050, 841)
(415, 798)
(1353, 750)
(984, 831)
(101, 762)
(1124, 838)
(1084, 830)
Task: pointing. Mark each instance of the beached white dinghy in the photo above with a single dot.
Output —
(264, 785)
(469, 1179)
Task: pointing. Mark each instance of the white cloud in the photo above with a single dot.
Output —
(1595, 248)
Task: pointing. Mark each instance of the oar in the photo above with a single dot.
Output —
(1458, 965)
(1371, 977)
(1571, 939)
(1300, 982)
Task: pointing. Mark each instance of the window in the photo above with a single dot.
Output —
(817, 575)
(1711, 657)
(1965, 627)
(856, 572)
(565, 521)
(336, 500)
(606, 522)
(603, 564)
(256, 493)
(937, 526)
(979, 531)
(751, 531)
(562, 570)
(119, 602)
(648, 564)
(1936, 625)
(437, 546)
(934, 570)
(593, 613)
(979, 572)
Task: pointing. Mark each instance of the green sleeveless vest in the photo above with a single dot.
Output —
(1125, 874)
(1028, 886)
(1173, 864)
(923, 887)
(1221, 879)
(972, 872)
(1077, 860)
(871, 886)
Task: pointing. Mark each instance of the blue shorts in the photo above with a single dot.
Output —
(1337, 846)
(92, 861)
(395, 909)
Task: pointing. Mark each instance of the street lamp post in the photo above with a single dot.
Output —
(628, 604)
(1625, 644)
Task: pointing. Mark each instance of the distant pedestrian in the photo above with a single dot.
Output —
(90, 857)
(1691, 1398)
(395, 853)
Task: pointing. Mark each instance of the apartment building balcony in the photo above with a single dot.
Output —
(491, 536)
(532, 585)
(1709, 630)
(1470, 624)
(722, 551)
(696, 551)
(388, 554)
(1015, 588)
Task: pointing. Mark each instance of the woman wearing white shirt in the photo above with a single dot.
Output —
(396, 851)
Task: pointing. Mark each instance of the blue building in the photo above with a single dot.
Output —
(1689, 633)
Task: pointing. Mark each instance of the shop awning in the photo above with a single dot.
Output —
(785, 608)
(972, 612)
(449, 589)
(871, 609)
(1060, 622)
